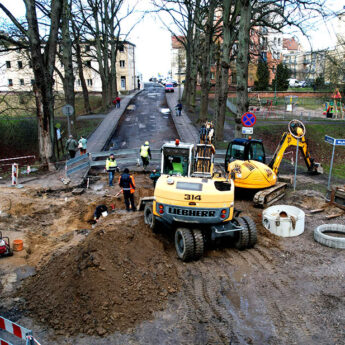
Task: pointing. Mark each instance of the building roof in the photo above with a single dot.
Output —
(176, 41)
(290, 44)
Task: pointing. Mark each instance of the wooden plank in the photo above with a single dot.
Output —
(331, 216)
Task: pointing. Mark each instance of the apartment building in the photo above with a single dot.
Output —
(178, 59)
(16, 73)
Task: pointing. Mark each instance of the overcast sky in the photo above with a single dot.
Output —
(153, 41)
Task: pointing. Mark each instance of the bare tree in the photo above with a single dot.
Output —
(42, 51)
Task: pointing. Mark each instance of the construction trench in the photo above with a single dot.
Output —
(119, 283)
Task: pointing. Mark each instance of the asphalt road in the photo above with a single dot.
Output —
(144, 120)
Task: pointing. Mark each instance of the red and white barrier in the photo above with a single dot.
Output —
(15, 172)
(3, 342)
(14, 328)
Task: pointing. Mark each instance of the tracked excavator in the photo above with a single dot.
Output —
(245, 159)
(194, 201)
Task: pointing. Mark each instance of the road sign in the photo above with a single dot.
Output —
(248, 119)
(67, 110)
(329, 140)
(336, 142)
(247, 130)
(340, 142)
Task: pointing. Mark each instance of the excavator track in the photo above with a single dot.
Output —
(268, 196)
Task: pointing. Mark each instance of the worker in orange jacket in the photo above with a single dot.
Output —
(127, 183)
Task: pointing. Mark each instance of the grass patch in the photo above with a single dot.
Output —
(319, 149)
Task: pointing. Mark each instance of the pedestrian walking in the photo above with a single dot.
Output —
(111, 167)
(179, 108)
(127, 183)
(118, 101)
(145, 153)
(82, 145)
(71, 146)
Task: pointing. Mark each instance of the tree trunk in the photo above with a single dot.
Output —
(242, 64)
(206, 62)
(68, 81)
(43, 61)
(87, 106)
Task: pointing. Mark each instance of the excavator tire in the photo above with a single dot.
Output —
(184, 244)
(253, 236)
(149, 218)
(242, 240)
(199, 244)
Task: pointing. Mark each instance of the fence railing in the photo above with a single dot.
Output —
(125, 157)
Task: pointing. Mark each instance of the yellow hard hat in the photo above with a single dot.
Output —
(147, 143)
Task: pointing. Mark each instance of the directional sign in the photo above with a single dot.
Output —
(329, 140)
(67, 110)
(247, 130)
(340, 142)
(336, 142)
(248, 119)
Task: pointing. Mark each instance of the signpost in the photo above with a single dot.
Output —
(334, 142)
(248, 121)
(68, 111)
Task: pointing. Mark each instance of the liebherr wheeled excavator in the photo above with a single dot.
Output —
(195, 201)
(245, 160)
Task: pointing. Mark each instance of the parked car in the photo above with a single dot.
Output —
(293, 82)
(175, 83)
(169, 88)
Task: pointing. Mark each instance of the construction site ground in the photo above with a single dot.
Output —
(118, 283)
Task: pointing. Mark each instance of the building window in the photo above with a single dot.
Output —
(21, 82)
(32, 81)
(20, 64)
(88, 63)
(121, 48)
(10, 82)
(278, 41)
(123, 83)
(89, 82)
(212, 75)
(87, 48)
(8, 64)
(78, 82)
(122, 63)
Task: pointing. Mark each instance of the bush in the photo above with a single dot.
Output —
(281, 82)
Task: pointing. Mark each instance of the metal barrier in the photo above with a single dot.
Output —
(18, 331)
(124, 157)
(72, 166)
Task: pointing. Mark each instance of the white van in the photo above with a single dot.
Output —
(293, 82)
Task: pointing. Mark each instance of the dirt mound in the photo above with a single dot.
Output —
(118, 276)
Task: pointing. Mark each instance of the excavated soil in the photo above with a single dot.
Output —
(114, 279)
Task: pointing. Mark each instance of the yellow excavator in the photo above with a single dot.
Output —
(194, 201)
(245, 160)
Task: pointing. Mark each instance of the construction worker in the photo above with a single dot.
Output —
(111, 167)
(154, 176)
(127, 183)
(100, 210)
(145, 153)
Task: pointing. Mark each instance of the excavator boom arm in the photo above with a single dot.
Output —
(289, 140)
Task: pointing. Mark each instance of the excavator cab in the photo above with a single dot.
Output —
(177, 158)
(245, 149)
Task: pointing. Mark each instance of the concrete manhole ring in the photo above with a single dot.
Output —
(320, 235)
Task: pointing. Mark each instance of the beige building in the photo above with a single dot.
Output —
(178, 60)
(16, 71)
